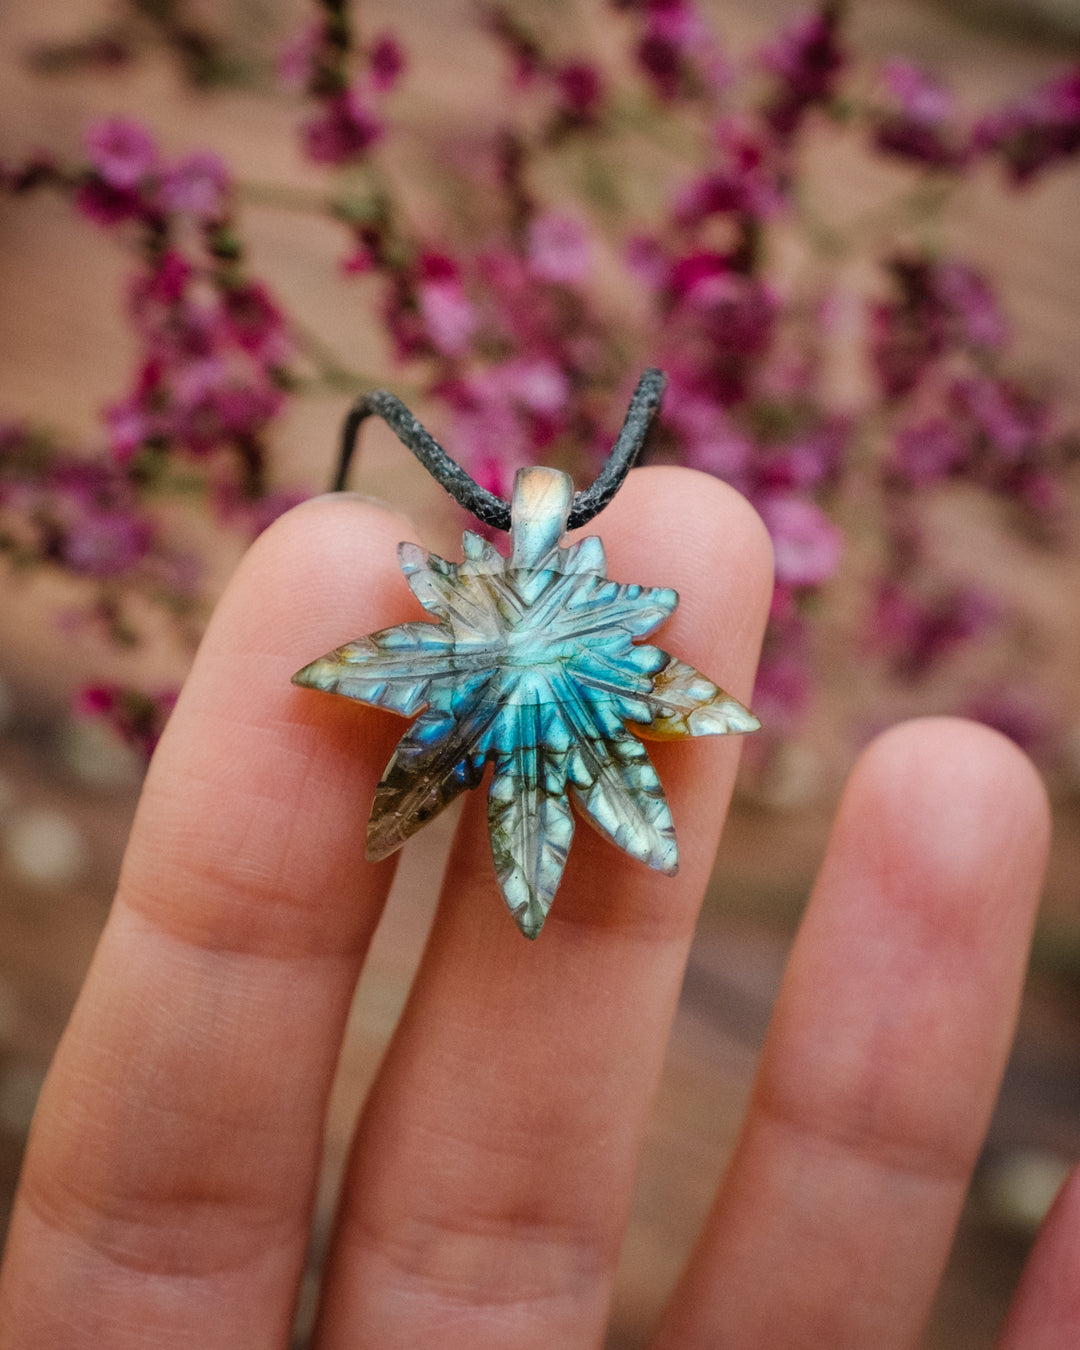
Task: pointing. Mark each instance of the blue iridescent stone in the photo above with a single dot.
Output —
(536, 667)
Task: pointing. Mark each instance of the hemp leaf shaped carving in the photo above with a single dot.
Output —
(534, 666)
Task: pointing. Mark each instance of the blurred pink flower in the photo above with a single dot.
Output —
(296, 60)
(806, 58)
(255, 323)
(128, 426)
(806, 545)
(387, 63)
(919, 127)
(558, 249)
(343, 131)
(358, 262)
(448, 315)
(929, 451)
(918, 632)
(197, 185)
(1011, 422)
(709, 439)
(919, 95)
(782, 690)
(105, 543)
(678, 45)
(536, 382)
(1037, 130)
(165, 283)
(137, 716)
(580, 88)
(973, 306)
(106, 205)
(488, 434)
(122, 151)
(746, 179)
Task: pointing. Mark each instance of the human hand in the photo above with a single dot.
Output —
(168, 1186)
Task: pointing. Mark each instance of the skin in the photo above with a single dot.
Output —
(168, 1187)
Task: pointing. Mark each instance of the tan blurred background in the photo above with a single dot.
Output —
(66, 793)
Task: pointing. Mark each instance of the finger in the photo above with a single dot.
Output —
(491, 1174)
(883, 1058)
(1045, 1311)
(166, 1192)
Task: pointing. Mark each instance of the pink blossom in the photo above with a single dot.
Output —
(689, 272)
(1016, 714)
(919, 95)
(678, 45)
(806, 58)
(296, 60)
(166, 283)
(228, 411)
(106, 205)
(1011, 422)
(968, 296)
(359, 261)
(138, 717)
(918, 127)
(662, 61)
(129, 426)
(937, 304)
(387, 63)
(448, 315)
(808, 462)
(907, 334)
(581, 89)
(680, 22)
(646, 261)
(95, 699)
(929, 451)
(736, 312)
(919, 632)
(193, 381)
(344, 131)
(105, 543)
(256, 323)
(782, 689)
(244, 409)
(1037, 130)
(558, 249)
(198, 186)
(536, 382)
(122, 151)
(746, 182)
(711, 441)
(489, 434)
(1041, 491)
(806, 545)
(725, 453)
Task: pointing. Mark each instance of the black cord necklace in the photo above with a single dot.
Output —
(486, 506)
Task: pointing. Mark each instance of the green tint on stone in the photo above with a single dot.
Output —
(535, 667)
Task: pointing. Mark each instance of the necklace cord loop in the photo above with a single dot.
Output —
(486, 506)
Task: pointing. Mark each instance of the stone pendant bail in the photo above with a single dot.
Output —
(539, 510)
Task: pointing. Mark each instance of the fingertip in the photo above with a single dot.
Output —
(955, 793)
(672, 526)
(1045, 1311)
(323, 555)
(696, 511)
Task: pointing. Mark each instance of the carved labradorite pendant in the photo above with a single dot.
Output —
(534, 666)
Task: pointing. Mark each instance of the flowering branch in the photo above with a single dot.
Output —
(499, 313)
